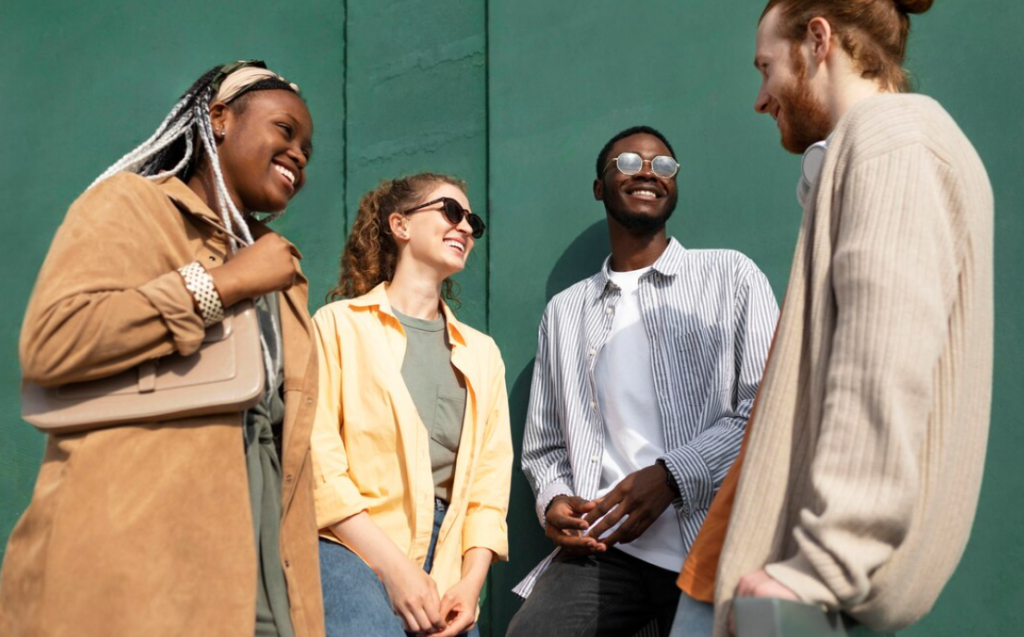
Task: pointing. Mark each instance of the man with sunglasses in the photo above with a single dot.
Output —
(645, 377)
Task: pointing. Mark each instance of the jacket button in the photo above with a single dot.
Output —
(288, 478)
(287, 563)
(309, 401)
(212, 258)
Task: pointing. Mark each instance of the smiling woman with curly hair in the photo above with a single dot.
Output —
(411, 439)
(371, 253)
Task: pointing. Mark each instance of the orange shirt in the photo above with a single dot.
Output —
(697, 579)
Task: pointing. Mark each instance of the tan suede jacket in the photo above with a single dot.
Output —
(146, 529)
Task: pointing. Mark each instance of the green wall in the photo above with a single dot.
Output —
(516, 97)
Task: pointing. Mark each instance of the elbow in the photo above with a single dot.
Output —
(39, 363)
(44, 370)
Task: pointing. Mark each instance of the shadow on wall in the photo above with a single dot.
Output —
(528, 545)
(581, 259)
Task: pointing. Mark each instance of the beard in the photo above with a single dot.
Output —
(805, 119)
(638, 223)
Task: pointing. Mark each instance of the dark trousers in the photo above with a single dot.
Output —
(612, 594)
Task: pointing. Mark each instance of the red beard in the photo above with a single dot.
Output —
(803, 120)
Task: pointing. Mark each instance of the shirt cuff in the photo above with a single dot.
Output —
(485, 528)
(337, 501)
(545, 497)
(176, 306)
(696, 487)
(798, 575)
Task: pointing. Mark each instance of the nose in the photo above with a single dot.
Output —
(464, 228)
(298, 157)
(762, 100)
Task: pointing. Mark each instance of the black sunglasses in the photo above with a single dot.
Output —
(454, 213)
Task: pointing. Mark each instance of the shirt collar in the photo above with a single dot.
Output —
(378, 297)
(668, 264)
(185, 198)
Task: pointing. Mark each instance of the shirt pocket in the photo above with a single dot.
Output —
(449, 413)
(699, 364)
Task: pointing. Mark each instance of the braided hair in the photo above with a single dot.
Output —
(174, 150)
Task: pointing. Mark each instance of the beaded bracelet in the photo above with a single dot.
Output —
(199, 282)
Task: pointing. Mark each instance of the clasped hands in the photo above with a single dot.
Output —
(642, 496)
(576, 525)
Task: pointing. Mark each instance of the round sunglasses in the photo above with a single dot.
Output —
(454, 213)
(632, 163)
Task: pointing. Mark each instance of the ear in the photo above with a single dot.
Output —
(819, 38)
(220, 115)
(599, 189)
(399, 226)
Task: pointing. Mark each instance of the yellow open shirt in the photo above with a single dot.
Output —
(370, 449)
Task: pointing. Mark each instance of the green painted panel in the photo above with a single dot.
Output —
(417, 102)
(85, 83)
(563, 79)
(516, 98)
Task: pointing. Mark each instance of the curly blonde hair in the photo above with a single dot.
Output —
(371, 253)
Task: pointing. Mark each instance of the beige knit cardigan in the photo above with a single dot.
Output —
(862, 472)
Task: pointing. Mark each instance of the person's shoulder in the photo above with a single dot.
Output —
(124, 201)
(721, 259)
(575, 295)
(335, 313)
(120, 186)
(888, 122)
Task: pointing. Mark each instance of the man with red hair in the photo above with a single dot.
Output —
(858, 482)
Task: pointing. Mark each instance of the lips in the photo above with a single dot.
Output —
(648, 191)
(287, 174)
(456, 245)
(644, 193)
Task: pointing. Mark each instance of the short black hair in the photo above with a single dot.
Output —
(602, 157)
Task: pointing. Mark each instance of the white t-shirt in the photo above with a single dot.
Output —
(633, 437)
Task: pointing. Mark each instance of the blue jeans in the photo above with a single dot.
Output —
(355, 600)
(693, 618)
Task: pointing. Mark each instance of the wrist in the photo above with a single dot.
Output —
(670, 480)
(552, 501)
(226, 284)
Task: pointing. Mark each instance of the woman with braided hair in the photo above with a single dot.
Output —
(412, 451)
(192, 526)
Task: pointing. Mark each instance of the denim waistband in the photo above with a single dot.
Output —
(440, 505)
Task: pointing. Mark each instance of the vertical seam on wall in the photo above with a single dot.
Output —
(488, 609)
(487, 165)
(344, 123)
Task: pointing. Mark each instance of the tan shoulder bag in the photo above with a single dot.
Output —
(225, 375)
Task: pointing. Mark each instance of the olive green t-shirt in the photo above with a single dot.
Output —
(439, 393)
(262, 437)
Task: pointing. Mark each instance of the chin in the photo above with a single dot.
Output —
(641, 222)
(449, 266)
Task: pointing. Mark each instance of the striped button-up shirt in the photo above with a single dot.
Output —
(709, 316)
